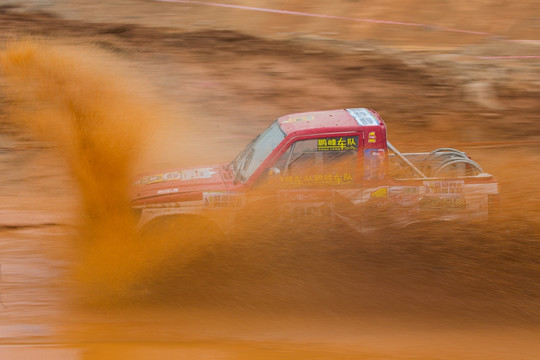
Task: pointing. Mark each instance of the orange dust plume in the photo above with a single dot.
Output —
(72, 98)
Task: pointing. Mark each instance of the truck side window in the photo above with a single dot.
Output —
(307, 163)
(374, 164)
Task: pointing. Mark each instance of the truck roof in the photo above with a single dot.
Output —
(334, 119)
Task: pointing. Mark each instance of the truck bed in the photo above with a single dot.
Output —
(439, 163)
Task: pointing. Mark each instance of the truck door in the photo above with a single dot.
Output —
(320, 163)
(317, 175)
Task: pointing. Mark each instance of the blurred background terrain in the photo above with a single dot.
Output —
(441, 73)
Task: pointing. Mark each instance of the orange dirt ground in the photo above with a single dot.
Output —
(201, 81)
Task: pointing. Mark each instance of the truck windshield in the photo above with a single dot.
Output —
(245, 163)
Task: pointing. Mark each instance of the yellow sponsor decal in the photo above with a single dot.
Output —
(338, 143)
(380, 193)
(318, 179)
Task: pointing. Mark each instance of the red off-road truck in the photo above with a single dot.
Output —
(329, 166)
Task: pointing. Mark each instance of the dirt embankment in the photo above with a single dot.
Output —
(472, 98)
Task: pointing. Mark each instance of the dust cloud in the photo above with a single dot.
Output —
(99, 126)
(481, 271)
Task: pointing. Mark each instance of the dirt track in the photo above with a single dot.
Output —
(213, 68)
(470, 294)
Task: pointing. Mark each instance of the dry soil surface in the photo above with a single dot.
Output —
(212, 78)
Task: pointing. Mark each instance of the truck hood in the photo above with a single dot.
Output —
(181, 184)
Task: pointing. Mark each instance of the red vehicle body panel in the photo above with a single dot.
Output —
(200, 186)
(171, 186)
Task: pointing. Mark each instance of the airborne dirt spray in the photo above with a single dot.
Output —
(100, 128)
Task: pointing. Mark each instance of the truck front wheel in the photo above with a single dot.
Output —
(173, 241)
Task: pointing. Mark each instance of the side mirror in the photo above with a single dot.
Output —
(273, 171)
(269, 177)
